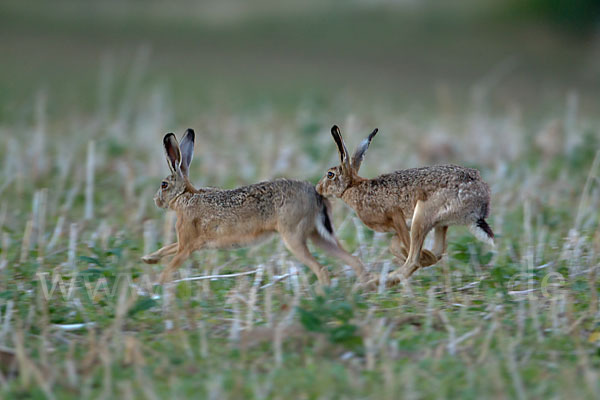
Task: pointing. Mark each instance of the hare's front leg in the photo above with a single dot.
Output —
(420, 227)
(400, 243)
(337, 251)
(155, 257)
(401, 240)
(297, 245)
(439, 241)
(398, 249)
(180, 257)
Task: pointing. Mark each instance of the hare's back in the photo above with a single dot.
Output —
(429, 179)
(442, 183)
(281, 191)
(296, 196)
(460, 192)
(263, 198)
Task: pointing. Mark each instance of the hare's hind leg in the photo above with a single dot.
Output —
(401, 240)
(297, 245)
(155, 257)
(336, 250)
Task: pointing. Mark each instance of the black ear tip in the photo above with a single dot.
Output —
(168, 136)
(191, 133)
(335, 129)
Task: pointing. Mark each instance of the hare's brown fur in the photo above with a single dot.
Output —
(432, 197)
(217, 218)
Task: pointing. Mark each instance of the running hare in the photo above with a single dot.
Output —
(215, 218)
(433, 197)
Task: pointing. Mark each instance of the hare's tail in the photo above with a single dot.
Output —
(323, 222)
(482, 231)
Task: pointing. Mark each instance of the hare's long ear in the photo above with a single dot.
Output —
(362, 148)
(337, 136)
(187, 150)
(173, 153)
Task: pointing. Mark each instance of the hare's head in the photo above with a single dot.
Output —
(179, 157)
(338, 179)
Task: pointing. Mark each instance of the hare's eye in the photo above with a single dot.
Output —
(164, 185)
(330, 175)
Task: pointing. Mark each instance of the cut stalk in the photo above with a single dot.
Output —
(89, 182)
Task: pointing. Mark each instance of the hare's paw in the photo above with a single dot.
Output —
(427, 258)
(402, 274)
(369, 282)
(392, 279)
(150, 259)
(376, 280)
(395, 278)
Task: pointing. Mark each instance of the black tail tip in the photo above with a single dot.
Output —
(326, 221)
(483, 225)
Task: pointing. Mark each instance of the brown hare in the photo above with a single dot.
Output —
(216, 218)
(432, 197)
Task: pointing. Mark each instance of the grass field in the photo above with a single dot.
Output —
(86, 98)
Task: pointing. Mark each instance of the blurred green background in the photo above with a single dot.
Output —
(409, 55)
